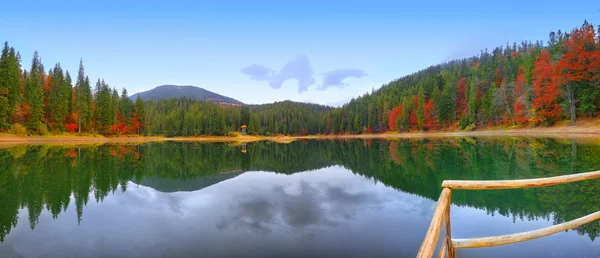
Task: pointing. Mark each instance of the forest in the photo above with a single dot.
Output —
(525, 84)
(38, 102)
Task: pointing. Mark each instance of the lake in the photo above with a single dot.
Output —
(318, 198)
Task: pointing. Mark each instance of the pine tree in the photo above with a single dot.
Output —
(421, 106)
(34, 94)
(103, 114)
(83, 100)
(10, 80)
(356, 127)
(139, 114)
(126, 106)
(472, 103)
(68, 88)
(245, 116)
(114, 103)
(58, 99)
(4, 111)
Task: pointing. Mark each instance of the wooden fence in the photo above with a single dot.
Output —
(441, 215)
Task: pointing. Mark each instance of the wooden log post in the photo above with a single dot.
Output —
(525, 236)
(444, 248)
(522, 183)
(431, 237)
(448, 231)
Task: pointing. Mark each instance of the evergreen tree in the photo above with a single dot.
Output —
(83, 99)
(472, 102)
(103, 112)
(139, 114)
(245, 116)
(4, 112)
(420, 106)
(114, 103)
(34, 95)
(126, 106)
(10, 81)
(58, 99)
(68, 88)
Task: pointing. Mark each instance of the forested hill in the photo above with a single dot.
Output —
(192, 92)
(526, 84)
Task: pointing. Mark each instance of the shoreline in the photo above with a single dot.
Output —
(552, 132)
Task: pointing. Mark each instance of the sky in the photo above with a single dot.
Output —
(325, 52)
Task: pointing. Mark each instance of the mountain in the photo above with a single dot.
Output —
(167, 185)
(191, 92)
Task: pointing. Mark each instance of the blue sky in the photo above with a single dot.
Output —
(263, 51)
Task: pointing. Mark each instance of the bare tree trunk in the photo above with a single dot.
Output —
(508, 109)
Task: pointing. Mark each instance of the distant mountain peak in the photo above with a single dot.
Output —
(187, 91)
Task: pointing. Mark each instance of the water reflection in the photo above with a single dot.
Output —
(295, 208)
(206, 191)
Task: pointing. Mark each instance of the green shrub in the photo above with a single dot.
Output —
(464, 122)
(19, 129)
(470, 127)
(234, 134)
(44, 129)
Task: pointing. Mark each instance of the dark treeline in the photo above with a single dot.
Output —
(39, 101)
(43, 177)
(289, 117)
(186, 117)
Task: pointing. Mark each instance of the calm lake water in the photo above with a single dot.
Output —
(304, 199)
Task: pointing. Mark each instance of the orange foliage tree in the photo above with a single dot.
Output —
(545, 103)
(429, 116)
(461, 98)
(394, 117)
(520, 98)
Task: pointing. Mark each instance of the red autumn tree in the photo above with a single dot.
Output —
(578, 70)
(135, 123)
(394, 117)
(520, 98)
(412, 118)
(461, 98)
(545, 89)
(429, 119)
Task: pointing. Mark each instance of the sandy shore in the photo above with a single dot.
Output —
(584, 130)
(8, 140)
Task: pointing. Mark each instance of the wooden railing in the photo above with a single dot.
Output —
(442, 214)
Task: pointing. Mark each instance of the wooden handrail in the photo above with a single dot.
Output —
(442, 211)
(522, 183)
(431, 237)
(524, 236)
(449, 245)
